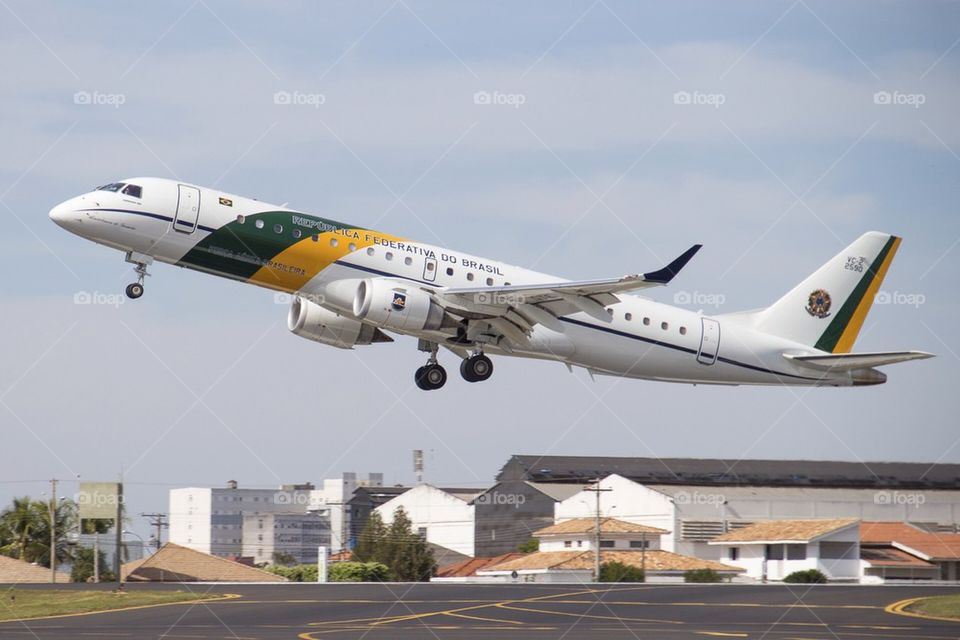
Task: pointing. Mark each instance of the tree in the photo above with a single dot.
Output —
(25, 530)
(702, 575)
(620, 572)
(408, 556)
(371, 540)
(530, 546)
(82, 570)
(358, 572)
(808, 576)
(283, 558)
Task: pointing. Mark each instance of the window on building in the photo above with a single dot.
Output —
(734, 553)
(579, 543)
(606, 544)
(774, 552)
(568, 543)
(422, 532)
(639, 544)
(796, 552)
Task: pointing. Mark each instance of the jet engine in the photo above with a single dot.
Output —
(313, 322)
(396, 305)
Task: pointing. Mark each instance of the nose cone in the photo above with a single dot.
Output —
(65, 215)
(59, 213)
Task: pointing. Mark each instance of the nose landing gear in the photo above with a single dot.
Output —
(135, 289)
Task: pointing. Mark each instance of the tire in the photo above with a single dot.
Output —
(134, 290)
(476, 368)
(435, 376)
(419, 378)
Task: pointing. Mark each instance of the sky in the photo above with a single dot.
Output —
(584, 139)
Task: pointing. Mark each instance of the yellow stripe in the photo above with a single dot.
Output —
(852, 330)
(900, 608)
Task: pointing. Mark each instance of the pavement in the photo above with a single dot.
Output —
(549, 612)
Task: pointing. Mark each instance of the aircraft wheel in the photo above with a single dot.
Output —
(431, 377)
(476, 368)
(134, 290)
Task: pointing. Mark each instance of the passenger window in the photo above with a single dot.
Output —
(628, 316)
(352, 247)
(470, 277)
(297, 233)
(664, 326)
(278, 228)
(315, 237)
(408, 261)
(646, 321)
(334, 242)
(259, 224)
(449, 271)
(389, 255)
(133, 190)
(370, 251)
(489, 282)
(683, 331)
(241, 219)
(431, 266)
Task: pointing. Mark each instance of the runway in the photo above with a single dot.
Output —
(549, 612)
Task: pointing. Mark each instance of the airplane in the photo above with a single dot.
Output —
(354, 286)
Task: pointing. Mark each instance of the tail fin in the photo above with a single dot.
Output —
(827, 310)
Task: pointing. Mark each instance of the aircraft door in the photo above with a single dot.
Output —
(430, 269)
(709, 341)
(188, 209)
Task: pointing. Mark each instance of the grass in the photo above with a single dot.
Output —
(26, 603)
(939, 606)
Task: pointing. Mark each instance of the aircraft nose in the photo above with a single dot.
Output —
(65, 214)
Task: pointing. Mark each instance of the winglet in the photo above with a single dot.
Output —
(665, 275)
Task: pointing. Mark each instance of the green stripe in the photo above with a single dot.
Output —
(828, 341)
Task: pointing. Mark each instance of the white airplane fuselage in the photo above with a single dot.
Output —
(323, 261)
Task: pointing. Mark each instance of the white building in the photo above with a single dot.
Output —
(774, 549)
(443, 517)
(297, 535)
(333, 496)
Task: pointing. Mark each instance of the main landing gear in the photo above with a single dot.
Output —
(476, 368)
(140, 262)
(431, 375)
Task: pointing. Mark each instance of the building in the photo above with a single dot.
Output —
(567, 554)
(173, 563)
(269, 536)
(507, 514)
(210, 520)
(901, 551)
(773, 549)
(334, 496)
(444, 517)
(14, 571)
(362, 504)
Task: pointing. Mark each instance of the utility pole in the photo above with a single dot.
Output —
(118, 561)
(159, 521)
(53, 530)
(596, 525)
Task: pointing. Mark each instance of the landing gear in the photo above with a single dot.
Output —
(476, 368)
(430, 376)
(140, 262)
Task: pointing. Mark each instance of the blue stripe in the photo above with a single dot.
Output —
(156, 216)
(616, 332)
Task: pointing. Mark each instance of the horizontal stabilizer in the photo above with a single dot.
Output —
(853, 361)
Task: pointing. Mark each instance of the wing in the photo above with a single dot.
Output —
(523, 306)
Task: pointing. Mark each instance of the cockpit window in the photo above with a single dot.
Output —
(113, 186)
(133, 190)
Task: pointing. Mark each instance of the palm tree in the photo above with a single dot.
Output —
(21, 522)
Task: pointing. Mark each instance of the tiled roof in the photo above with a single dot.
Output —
(893, 558)
(785, 530)
(930, 546)
(655, 561)
(173, 563)
(589, 525)
(17, 571)
(470, 566)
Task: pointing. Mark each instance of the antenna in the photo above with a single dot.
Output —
(418, 465)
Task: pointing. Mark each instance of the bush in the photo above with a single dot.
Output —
(296, 573)
(530, 546)
(702, 575)
(807, 576)
(358, 572)
(619, 572)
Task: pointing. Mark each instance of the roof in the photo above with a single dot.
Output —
(928, 545)
(557, 490)
(654, 561)
(588, 525)
(174, 563)
(470, 566)
(715, 471)
(891, 557)
(16, 571)
(444, 555)
(785, 530)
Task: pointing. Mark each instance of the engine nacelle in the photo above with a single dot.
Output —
(395, 305)
(313, 322)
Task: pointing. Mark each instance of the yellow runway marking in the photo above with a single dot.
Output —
(584, 615)
(463, 615)
(723, 634)
(226, 596)
(899, 608)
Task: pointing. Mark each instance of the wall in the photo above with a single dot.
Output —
(449, 521)
(189, 515)
(507, 514)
